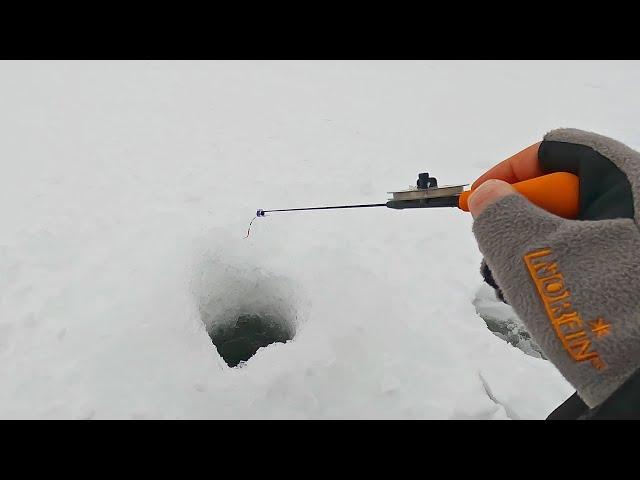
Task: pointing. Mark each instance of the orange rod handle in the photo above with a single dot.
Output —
(558, 193)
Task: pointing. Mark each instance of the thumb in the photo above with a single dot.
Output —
(487, 193)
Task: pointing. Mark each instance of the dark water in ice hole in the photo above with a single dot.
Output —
(237, 341)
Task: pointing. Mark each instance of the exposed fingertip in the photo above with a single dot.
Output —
(487, 193)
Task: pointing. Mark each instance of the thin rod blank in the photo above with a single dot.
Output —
(326, 208)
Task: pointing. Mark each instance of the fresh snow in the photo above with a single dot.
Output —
(127, 188)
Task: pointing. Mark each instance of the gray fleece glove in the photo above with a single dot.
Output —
(575, 283)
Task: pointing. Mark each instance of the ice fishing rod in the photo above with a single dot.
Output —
(557, 193)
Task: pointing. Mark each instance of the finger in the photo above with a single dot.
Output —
(487, 193)
(522, 166)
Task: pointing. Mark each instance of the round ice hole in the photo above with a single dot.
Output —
(243, 305)
(239, 339)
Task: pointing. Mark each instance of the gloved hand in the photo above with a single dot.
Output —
(574, 283)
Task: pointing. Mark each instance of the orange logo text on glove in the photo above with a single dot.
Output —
(576, 337)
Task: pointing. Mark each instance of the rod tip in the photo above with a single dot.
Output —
(260, 213)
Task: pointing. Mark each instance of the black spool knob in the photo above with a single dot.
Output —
(425, 181)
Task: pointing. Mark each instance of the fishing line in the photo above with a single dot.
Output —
(249, 229)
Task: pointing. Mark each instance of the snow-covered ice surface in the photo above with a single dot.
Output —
(126, 189)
